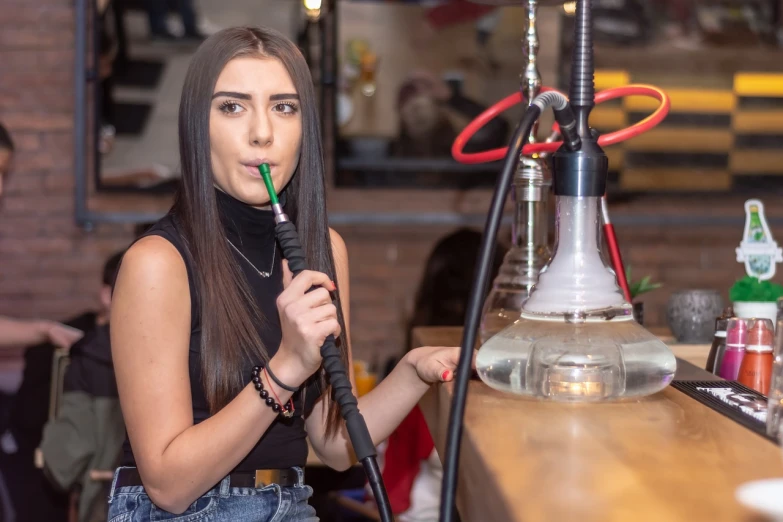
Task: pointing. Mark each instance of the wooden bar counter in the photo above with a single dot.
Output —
(662, 458)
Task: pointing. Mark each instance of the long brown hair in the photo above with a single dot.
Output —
(227, 312)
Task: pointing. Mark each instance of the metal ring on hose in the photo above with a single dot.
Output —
(533, 148)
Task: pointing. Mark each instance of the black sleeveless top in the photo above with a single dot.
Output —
(251, 231)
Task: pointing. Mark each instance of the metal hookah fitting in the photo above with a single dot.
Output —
(529, 249)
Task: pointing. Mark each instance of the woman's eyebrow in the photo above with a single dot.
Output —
(231, 94)
(284, 96)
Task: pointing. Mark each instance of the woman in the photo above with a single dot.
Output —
(203, 298)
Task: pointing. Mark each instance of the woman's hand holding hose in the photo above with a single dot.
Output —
(307, 318)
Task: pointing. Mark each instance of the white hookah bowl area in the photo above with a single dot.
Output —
(576, 279)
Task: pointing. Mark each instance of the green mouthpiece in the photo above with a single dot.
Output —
(266, 173)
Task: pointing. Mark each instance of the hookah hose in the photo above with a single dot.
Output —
(551, 146)
(475, 304)
(614, 251)
(536, 148)
(360, 437)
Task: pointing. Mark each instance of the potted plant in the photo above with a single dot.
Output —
(638, 288)
(752, 297)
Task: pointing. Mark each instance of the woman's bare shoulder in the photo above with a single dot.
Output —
(152, 262)
(151, 298)
(153, 254)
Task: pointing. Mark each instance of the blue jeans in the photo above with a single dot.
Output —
(222, 503)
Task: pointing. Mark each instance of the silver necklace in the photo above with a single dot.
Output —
(262, 274)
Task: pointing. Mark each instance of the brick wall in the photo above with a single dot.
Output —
(50, 268)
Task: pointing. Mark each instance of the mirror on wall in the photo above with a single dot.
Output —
(412, 74)
(145, 47)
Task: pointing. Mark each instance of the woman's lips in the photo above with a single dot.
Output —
(253, 171)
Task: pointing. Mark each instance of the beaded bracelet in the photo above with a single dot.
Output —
(286, 411)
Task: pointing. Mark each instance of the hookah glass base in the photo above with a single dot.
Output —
(595, 360)
(576, 339)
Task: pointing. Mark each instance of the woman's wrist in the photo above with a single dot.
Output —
(278, 399)
(288, 370)
(272, 377)
(408, 364)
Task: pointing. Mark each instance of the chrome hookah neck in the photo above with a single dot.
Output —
(531, 77)
(531, 169)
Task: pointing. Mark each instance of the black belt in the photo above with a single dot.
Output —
(259, 478)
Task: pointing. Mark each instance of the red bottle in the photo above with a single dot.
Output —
(756, 369)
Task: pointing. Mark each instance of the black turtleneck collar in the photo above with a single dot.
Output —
(243, 221)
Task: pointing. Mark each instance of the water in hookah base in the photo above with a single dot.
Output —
(595, 360)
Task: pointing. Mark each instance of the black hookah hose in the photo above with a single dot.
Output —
(573, 125)
(473, 315)
(360, 437)
(572, 141)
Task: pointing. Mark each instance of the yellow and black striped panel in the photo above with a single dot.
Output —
(712, 139)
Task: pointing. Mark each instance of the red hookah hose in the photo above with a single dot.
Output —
(536, 148)
(614, 251)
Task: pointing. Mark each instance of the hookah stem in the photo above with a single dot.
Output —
(582, 92)
(614, 250)
(582, 97)
(333, 364)
(582, 173)
(473, 316)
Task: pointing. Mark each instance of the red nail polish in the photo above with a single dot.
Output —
(444, 375)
